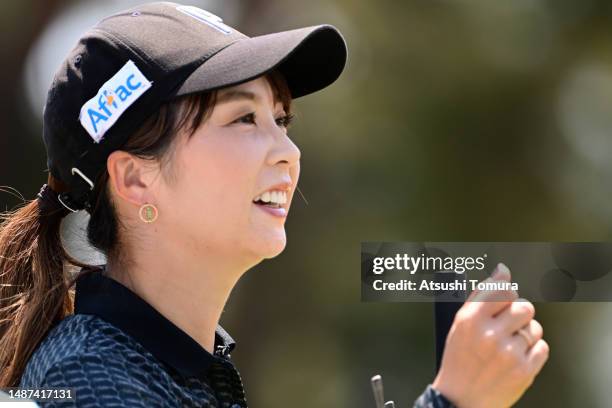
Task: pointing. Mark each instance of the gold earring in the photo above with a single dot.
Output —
(148, 213)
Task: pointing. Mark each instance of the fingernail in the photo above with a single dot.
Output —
(500, 270)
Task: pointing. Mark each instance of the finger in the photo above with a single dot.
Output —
(537, 356)
(517, 343)
(529, 335)
(501, 272)
(492, 302)
(515, 316)
(536, 330)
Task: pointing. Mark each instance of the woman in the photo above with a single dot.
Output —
(170, 128)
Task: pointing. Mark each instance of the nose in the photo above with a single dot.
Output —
(283, 150)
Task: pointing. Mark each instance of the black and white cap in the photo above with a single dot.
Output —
(127, 65)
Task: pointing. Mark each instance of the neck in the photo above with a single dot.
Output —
(189, 292)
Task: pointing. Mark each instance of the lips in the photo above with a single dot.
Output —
(274, 200)
(279, 212)
(283, 186)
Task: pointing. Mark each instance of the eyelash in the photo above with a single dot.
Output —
(285, 120)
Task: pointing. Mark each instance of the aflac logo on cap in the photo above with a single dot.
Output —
(102, 111)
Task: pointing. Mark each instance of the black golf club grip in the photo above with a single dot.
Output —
(444, 314)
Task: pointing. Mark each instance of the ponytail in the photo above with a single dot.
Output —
(34, 284)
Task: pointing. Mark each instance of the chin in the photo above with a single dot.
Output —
(265, 243)
(271, 247)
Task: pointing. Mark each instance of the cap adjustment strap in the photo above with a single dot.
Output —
(83, 176)
(77, 198)
(65, 198)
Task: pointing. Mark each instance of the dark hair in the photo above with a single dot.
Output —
(36, 282)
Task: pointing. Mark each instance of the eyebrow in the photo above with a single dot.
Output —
(236, 95)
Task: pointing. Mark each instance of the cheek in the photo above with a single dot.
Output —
(217, 180)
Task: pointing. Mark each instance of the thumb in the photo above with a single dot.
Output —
(500, 273)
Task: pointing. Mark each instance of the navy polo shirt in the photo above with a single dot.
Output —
(118, 351)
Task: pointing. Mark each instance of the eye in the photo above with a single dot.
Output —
(285, 120)
(249, 118)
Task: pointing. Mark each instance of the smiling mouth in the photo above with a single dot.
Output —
(271, 205)
(272, 199)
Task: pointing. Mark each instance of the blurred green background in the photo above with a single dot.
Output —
(455, 120)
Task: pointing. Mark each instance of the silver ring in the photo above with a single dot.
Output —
(527, 336)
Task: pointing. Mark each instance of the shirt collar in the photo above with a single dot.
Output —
(105, 297)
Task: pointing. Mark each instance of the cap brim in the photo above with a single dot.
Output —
(310, 59)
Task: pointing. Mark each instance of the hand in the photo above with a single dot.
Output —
(486, 363)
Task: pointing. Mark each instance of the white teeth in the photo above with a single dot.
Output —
(278, 197)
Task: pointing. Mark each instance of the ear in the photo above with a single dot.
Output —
(129, 176)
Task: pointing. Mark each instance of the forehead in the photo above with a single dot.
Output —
(259, 90)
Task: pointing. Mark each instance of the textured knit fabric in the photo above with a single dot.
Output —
(432, 398)
(118, 351)
(107, 367)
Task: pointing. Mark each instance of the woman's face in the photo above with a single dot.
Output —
(240, 152)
